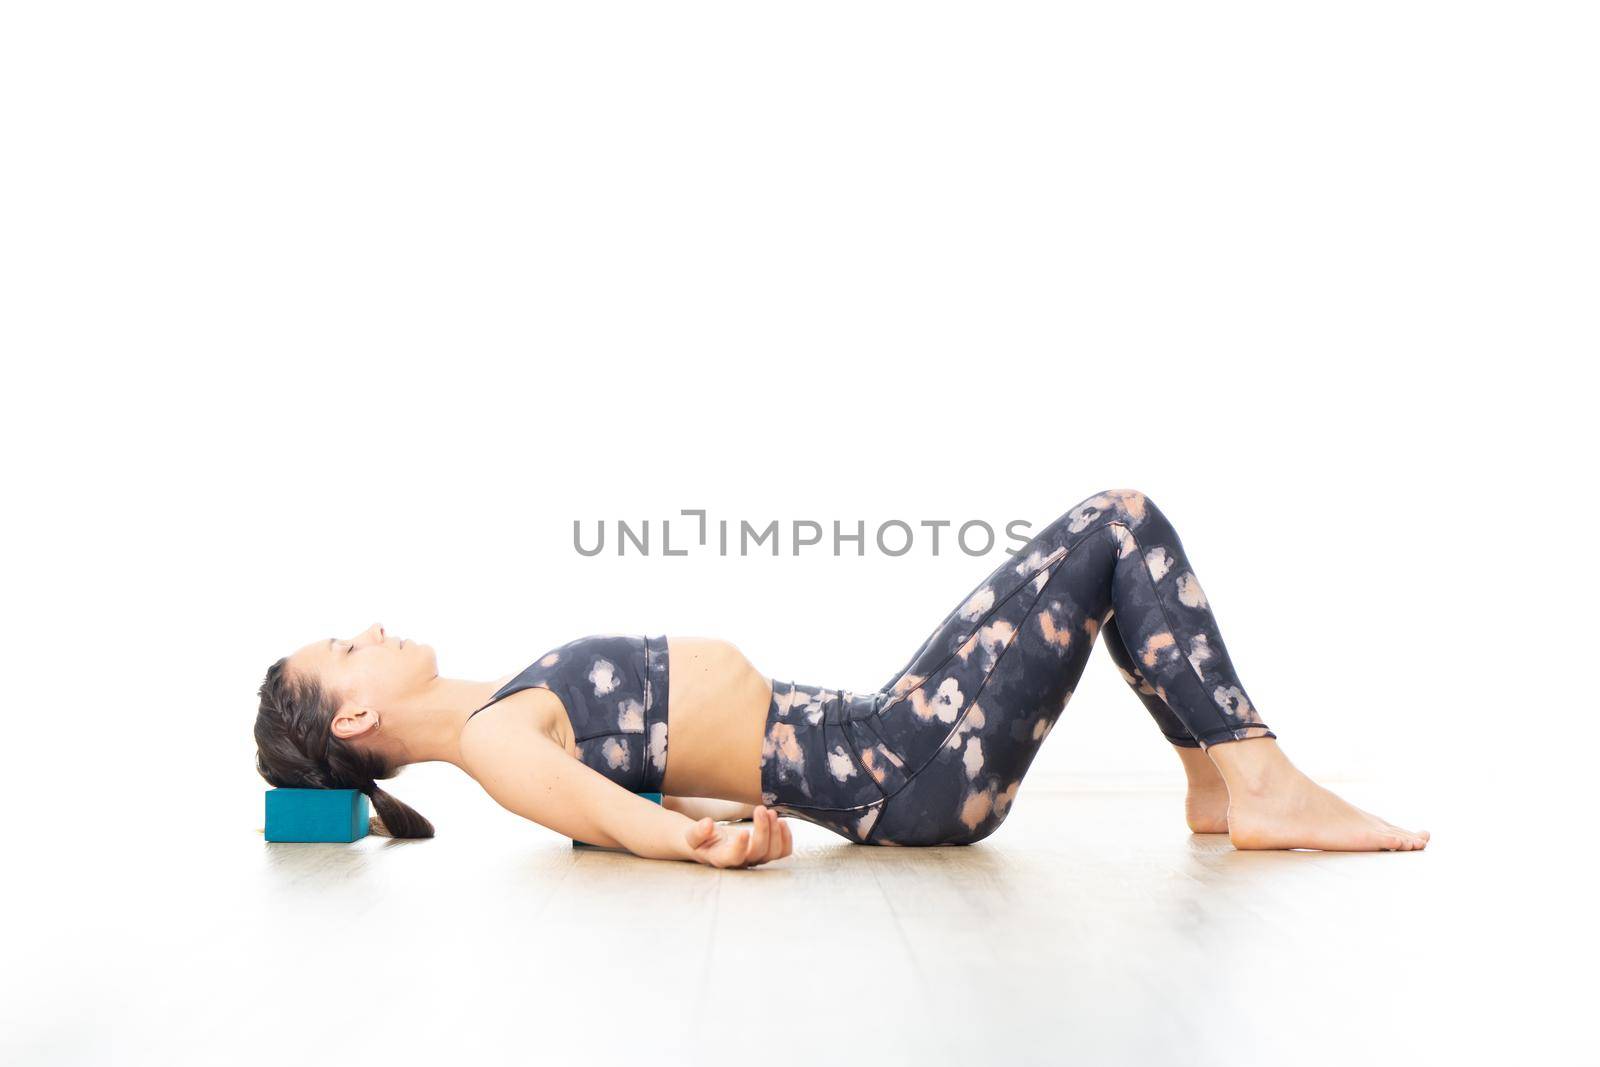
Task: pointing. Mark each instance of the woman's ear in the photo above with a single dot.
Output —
(353, 721)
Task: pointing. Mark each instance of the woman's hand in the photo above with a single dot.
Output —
(719, 846)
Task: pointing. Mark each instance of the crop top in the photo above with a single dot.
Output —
(614, 689)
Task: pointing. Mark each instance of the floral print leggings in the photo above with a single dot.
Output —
(936, 756)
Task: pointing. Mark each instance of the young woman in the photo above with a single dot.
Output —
(935, 757)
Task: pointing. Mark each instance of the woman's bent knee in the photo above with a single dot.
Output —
(1127, 505)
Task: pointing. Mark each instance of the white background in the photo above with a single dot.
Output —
(317, 315)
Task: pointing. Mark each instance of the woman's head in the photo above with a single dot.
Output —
(321, 717)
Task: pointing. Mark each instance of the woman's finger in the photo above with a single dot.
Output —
(775, 844)
(767, 837)
(762, 835)
(763, 840)
(776, 850)
(788, 837)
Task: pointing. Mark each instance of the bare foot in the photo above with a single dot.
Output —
(1301, 814)
(1273, 805)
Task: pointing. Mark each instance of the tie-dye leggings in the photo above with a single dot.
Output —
(937, 755)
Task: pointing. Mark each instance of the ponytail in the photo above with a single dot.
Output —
(395, 818)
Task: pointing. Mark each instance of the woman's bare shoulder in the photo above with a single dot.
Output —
(530, 715)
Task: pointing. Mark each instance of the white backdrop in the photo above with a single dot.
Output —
(319, 315)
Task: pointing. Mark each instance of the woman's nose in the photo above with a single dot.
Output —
(375, 631)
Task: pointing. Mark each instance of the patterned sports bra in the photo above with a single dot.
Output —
(615, 692)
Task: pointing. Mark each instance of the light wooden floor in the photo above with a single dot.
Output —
(1091, 929)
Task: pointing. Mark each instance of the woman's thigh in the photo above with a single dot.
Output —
(938, 758)
(968, 714)
(966, 729)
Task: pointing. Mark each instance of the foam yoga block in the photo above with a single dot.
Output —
(653, 797)
(316, 814)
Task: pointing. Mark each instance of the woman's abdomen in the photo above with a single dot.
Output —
(717, 711)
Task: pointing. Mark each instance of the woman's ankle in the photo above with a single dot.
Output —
(1254, 767)
(1202, 774)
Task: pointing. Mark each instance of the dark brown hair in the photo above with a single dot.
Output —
(296, 749)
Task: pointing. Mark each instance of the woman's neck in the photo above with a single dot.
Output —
(426, 726)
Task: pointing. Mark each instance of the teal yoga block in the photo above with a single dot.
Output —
(652, 797)
(316, 814)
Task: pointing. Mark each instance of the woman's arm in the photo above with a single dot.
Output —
(707, 808)
(528, 773)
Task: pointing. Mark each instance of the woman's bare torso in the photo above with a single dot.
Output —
(716, 717)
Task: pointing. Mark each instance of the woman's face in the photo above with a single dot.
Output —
(373, 668)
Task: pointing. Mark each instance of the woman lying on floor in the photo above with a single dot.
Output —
(935, 757)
